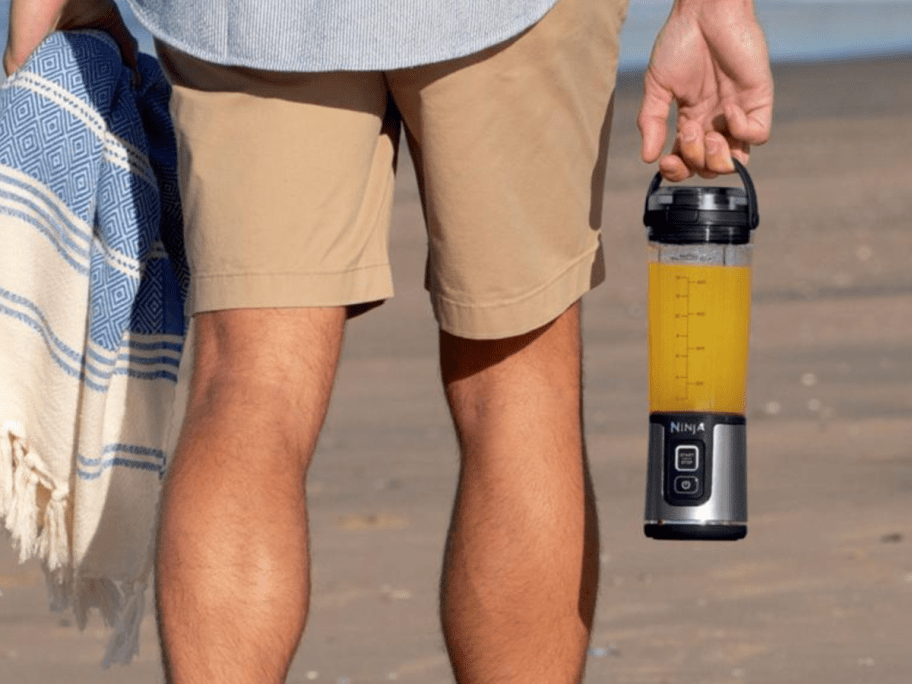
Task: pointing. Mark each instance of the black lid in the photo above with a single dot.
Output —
(686, 214)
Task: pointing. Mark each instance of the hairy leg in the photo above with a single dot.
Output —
(521, 567)
(232, 566)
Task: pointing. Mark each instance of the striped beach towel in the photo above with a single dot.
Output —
(92, 285)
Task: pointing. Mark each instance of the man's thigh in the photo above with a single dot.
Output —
(510, 146)
(286, 183)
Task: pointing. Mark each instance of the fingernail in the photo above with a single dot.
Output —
(688, 135)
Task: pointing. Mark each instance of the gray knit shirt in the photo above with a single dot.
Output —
(335, 35)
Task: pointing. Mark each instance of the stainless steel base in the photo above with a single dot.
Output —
(720, 512)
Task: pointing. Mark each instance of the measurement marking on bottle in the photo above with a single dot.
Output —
(683, 315)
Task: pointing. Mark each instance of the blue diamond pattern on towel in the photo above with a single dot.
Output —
(62, 126)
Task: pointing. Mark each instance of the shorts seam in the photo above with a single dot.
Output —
(244, 274)
(528, 295)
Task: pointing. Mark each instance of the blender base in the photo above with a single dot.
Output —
(697, 477)
(695, 531)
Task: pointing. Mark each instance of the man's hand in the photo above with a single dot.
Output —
(711, 58)
(31, 21)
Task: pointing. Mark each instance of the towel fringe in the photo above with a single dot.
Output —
(7, 445)
(53, 544)
(34, 511)
(124, 642)
(35, 519)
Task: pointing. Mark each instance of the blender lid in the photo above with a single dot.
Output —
(687, 214)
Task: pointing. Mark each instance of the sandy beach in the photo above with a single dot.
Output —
(821, 589)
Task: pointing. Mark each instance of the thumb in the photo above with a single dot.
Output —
(29, 24)
(752, 128)
(9, 63)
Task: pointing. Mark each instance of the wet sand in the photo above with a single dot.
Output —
(821, 589)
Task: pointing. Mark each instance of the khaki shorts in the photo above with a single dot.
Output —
(287, 178)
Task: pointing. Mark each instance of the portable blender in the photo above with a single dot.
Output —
(699, 321)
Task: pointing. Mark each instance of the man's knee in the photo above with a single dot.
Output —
(557, 341)
(285, 349)
(266, 372)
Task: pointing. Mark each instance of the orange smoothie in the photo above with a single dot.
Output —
(699, 322)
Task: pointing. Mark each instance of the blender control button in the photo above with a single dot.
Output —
(687, 458)
(687, 485)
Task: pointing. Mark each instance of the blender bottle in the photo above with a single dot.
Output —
(699, 321)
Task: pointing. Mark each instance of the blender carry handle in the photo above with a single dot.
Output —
(753, 216)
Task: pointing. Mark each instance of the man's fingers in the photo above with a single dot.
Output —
(713, 152)
(653, 119)
(690, 145)
(29, 24)
(653, 130)
(32, 22)
(673, 168)
(718, 155)
(9, 63)
(740, 151)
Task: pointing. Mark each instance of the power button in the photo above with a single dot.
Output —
(687, 485)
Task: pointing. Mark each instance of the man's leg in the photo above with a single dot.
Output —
(521, 568)
(232, 563)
